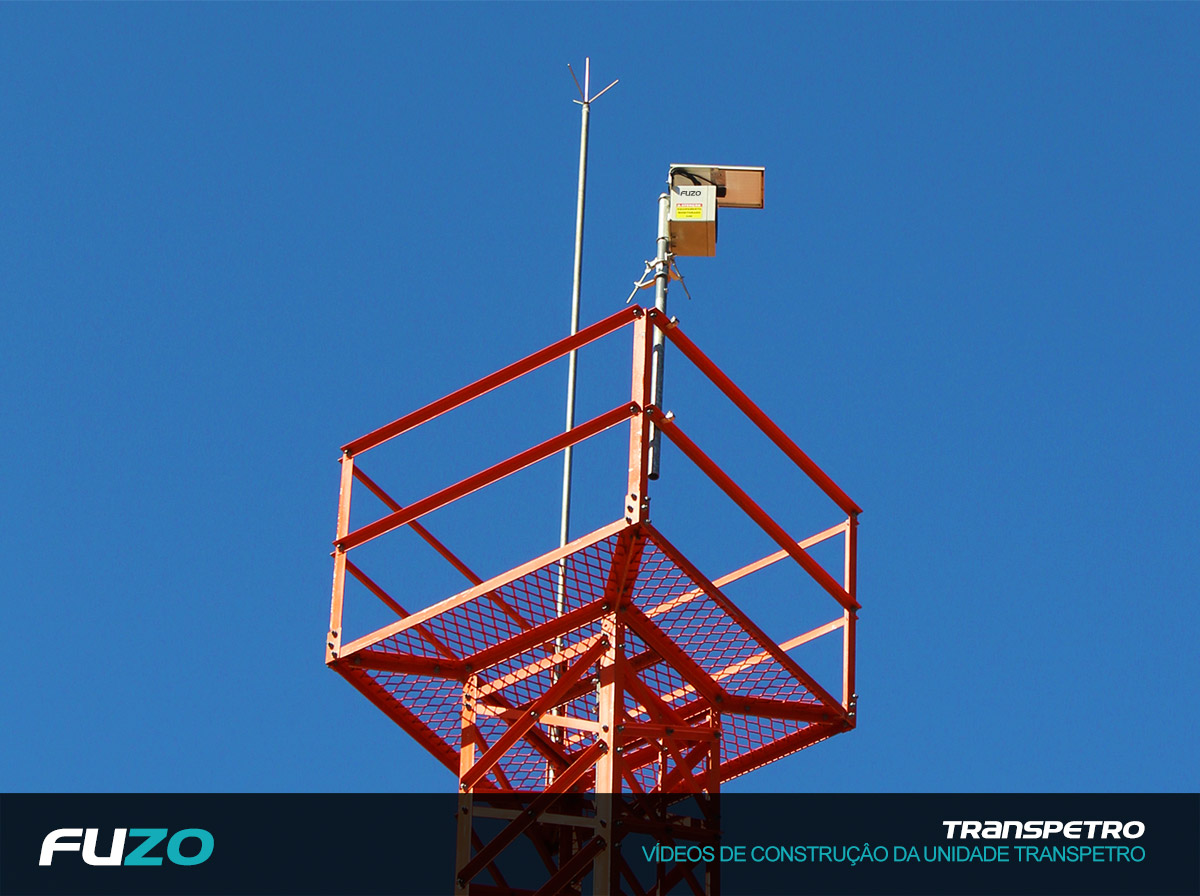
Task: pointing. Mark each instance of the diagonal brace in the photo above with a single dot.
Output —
(562, 782)
(539, 708)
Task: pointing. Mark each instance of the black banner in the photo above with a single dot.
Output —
(743, 845)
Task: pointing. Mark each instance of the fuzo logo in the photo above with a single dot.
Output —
(68, 840)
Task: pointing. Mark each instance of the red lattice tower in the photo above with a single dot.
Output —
(612, 665)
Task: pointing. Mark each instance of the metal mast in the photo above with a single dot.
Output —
(585, 104)
(662, 275)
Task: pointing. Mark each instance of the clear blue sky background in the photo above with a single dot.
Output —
(234, 237)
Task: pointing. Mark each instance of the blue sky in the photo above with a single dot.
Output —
(235, 237)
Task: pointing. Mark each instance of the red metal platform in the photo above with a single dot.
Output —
(611, 665)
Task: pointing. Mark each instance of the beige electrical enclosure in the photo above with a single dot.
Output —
(697, 191)
(692, 221)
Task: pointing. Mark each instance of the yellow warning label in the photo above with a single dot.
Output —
(689, 211)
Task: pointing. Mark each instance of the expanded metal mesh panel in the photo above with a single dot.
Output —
(436, 702)
(693, 619)
(745, 733)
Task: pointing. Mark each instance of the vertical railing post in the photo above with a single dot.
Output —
(850, 583)
(333, 639)
(637, 502)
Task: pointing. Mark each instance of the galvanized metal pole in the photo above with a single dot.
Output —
(661, 276)
(585, 102)
(572, 360)
(564, 529)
